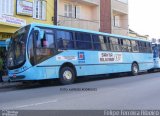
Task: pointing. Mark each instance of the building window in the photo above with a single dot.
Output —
(6, 7)
(68, 10)
(72, 11)
(39, 11)
(116, 21)
(77, 12)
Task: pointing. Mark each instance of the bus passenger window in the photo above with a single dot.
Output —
(96, 42)
(134, 46)
(65, 40)
(147, 47)
(149, 50)
(114, 44)
(126, 45)
(50, 41)
(143, 47)
(99, 42)
(103, 43)
(140, 46)
(107, 42)
(83, 41)
(129, 48)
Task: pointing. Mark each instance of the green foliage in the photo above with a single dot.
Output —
(1, 64)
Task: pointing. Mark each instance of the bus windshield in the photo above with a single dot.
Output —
(17, 48)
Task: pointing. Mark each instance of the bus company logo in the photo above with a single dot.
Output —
(81, 57)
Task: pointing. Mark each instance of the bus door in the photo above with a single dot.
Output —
(43, 45)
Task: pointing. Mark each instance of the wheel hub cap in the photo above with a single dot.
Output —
(67, 75)
(135, 69)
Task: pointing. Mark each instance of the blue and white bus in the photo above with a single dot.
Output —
(40, 52)
(156, 55)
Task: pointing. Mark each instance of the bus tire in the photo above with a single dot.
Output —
(66, 75)
(134, 69)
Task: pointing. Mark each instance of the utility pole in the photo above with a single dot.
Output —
(55, 12)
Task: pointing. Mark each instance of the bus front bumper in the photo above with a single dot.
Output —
(16, 78)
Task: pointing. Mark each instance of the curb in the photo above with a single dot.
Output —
(8, 84)
(5, 79)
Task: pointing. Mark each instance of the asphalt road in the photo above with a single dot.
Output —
(139, 92)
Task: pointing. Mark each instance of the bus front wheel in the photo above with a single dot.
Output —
(134, 69)
(67, 75)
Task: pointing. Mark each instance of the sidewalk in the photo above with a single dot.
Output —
(5, 78)
(6, 83)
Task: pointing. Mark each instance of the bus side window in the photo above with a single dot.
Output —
(129, 49)
(65, 39)
(134, 46)
(102, 42)
(107, 41)
(149, 48)
(124, 45)
(119, 44)
(98, 42)
(48, 41)
(140, 44)
(115, 44)
(83, 41)
(145, 47)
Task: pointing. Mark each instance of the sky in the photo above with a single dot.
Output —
(144, 17)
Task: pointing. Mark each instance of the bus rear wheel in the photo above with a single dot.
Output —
(134, 69)
(66, 75)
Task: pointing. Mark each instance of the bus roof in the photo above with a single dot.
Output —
(87, 31)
